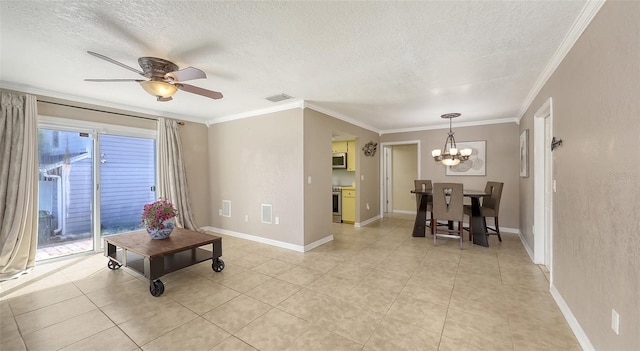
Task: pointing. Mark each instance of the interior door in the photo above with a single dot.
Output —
(388, 180)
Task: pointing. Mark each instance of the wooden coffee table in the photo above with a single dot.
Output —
(154, 258)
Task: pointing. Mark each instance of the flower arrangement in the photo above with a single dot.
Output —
(157, 212)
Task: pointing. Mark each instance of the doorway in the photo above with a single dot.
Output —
(543, 186)
(91, 184)
(399, 167)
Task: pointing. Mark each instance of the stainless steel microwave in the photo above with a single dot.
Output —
(340, 160)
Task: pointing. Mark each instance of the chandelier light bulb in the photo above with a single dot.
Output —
(450, 155)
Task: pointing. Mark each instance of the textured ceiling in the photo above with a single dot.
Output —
(388, 65)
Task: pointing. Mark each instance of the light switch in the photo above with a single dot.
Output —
(309, 179)
(553, 185)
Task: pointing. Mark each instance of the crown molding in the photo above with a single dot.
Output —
(589, 11)
(74, 98)
(341, 117)
(446, 126)
(282, 107)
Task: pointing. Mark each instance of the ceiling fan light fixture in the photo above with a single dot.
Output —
(159, 88)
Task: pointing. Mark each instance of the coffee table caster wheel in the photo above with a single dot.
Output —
(113, 265)
(156, 288)
(217, 265)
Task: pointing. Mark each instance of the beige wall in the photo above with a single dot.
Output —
(254, 161)
(195, 153)
(405, 171)
(318, 131)
(596, 209)
(503, 161)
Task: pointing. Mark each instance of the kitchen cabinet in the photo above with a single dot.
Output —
(348, 205)
(351, 155)
(339, 146)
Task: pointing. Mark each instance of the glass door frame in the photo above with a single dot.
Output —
(95, 129)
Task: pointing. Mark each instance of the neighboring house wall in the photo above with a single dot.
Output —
(127, 173)
(502, 161)
(596, 209)
(404, 159)
(254, 161)
(80, 197)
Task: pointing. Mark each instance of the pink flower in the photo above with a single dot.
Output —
(155, 213)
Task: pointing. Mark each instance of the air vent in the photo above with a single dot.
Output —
(226, 208)
(279, 97)
(267, 212)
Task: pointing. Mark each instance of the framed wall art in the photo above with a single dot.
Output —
(476, 165)
(524, 153)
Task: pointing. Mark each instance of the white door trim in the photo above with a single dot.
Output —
(542, 231)
(383, 169)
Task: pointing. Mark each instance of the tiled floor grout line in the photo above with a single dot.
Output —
(352, 247)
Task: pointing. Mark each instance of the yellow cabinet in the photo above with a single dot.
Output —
(348, 205)
(339, 146)
(351, 155)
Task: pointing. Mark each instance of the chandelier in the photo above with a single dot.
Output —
(450, 155)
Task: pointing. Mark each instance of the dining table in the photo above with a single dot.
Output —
(476, 221)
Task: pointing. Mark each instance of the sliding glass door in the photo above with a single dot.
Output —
(65, 193)
(91, 184)
(127, 181)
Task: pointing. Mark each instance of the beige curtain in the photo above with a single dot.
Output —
(18, 184)
(173, 178)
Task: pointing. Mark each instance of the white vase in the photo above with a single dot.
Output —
(164, 232)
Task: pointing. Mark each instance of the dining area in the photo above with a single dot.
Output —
(441, 208)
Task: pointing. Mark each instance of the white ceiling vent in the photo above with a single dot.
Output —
(278, 97)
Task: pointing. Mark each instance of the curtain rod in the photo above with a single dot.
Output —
(96, 110)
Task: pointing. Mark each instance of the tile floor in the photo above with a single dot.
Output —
(372, 288)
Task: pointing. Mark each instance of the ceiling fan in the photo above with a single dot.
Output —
(164, 77)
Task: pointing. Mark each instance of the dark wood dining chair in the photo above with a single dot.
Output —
(490, 208)
(423, 185)
(448, 206)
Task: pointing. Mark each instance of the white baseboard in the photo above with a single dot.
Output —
(526, 246)
(277, 243)
(317, 243)
(368, 221)
(571, 320)
(405, 212)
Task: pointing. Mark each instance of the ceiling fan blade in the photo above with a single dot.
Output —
(115, 62)
(200, 91)
(114, 80)
(185, 74)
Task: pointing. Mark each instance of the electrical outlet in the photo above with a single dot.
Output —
(309, 179)
(615, 322)
(367, 206)
(220, 212)
(554, 185)
(246, 218)
(277, 220)
(362, 177)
